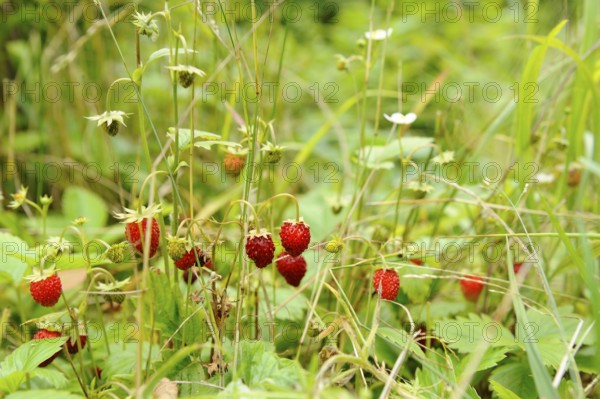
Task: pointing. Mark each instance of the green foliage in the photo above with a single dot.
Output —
(260, 367)
(22, 364)
(79, 202)
(346, 169)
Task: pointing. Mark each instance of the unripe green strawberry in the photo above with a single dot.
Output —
(272, 153)
(176, 247)
(334, 246)
(115, 296)
(114, 291)
(186, 79)
(111, 128)
(116, 252)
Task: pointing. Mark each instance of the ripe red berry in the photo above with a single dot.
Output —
(471, 287)
(386, 283)
(517, 266)
(97, 372)
(295, 236)
(72, 346)
(574, 176)
(260, 248)
(291, 268)
(134, 232)
(189, 259)
(234, 163)
(46, 290)
(190, 274)
(417, 262)
(46, 334)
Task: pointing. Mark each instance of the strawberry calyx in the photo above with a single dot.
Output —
(259, 233)
(38, 274)
(137, 216)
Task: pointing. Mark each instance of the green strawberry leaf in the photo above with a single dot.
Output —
(12, 381)
(44, 393)
(25, 359)
(515, 377)
(29, 355)
(53, 378)
(260, 367)
(491, 358)
(502, 392)
(79, 202)
(124, 355)
(465, 333)
(416, 288)
(295, 309)
(14, 263)
(380, 156)
(399, 338)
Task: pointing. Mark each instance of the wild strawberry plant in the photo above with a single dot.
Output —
(250, 234)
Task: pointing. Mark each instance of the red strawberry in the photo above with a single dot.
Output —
(260, 248)
(291, 268)
(191, 274)
(45, 288)
(134, 232)
(386, 283)
(46, 334)
(72, 345)
(189, 259)
(517, 266)
(471, 287)
(295, 236)
(234, 163)
(97, 372)
(417, 262)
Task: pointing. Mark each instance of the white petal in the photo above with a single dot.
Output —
(388, 117)
(400, 119)
(410, 118)
(379, 34)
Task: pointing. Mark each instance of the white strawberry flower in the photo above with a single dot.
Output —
(444, 157)
(18, 198)
(379, 34)
(107, 117)
(401, 119)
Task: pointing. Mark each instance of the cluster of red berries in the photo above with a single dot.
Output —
(295, 238)
(71, 345)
